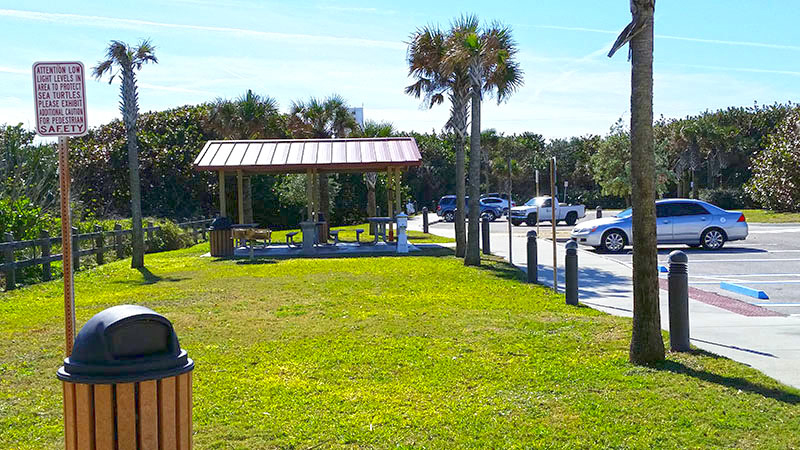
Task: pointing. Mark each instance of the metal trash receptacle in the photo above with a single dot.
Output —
(221, 237)
(127, 384)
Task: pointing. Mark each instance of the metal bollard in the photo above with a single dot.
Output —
(485, 236)
(599, 212)
(533, 259)
(678, 279)
(425, 220)
(571, 263)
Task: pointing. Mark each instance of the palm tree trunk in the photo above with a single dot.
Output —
(461, 195)
(647, 345)
(473, 256)
(130, 112)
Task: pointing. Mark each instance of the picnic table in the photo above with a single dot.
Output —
(380, 227)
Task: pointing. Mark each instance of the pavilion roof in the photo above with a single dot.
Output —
(300, 155)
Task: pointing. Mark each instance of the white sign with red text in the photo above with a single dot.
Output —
(59, 92)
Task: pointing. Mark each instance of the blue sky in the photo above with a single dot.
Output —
(709, 54)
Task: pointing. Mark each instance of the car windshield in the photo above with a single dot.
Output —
(627, 213)
(536, 201)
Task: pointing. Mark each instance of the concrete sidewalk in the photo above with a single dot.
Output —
(766, 342)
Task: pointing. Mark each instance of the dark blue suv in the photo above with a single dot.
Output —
(447, 206)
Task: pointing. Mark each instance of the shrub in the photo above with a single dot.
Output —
(776, 169)
(170, 237)
(726, 198)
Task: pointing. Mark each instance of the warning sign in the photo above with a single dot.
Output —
(59, 92)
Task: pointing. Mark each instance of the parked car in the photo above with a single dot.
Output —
(499, 202)
(447, 206)
(542, 206)
(679, 221)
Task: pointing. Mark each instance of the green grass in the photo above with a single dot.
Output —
(348, 234)
(764, 216)
(391, 352)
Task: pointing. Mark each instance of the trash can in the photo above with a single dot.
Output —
(322, 229)
(127, 384)
(221, 237)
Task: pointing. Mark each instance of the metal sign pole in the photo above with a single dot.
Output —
(537, 182)
(66, 243)
(553, 216)
(510, 260)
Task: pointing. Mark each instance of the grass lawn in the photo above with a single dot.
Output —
(391, 352)
(764, 216)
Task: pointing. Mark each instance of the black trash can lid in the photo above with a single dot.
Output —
(124, 344)
(221, 223)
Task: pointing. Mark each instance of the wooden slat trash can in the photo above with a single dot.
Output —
(221, 237)
(127, 384)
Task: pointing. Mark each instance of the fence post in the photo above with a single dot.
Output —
(678, 282)
(533, 258)
(205, 230)
(8, 256)
(149, 236)
(45, 237)
(425, 220)
(571, 266)
(76, 250)
(99, 244)
(118, 240)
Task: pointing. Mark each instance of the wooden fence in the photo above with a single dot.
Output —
(100, 244)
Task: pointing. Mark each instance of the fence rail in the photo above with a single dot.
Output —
(198, 230)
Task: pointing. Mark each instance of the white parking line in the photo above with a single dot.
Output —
(773, 231)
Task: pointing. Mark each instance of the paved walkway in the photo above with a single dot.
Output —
(739, 331)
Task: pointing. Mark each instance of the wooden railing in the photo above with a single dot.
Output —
(100, 244)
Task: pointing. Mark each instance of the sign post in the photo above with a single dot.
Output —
(59, 95)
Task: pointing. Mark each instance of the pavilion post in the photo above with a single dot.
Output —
(315, 195)
(223, 212)
(240, 194)
(310, 193)
(399, 205)
(389, 185)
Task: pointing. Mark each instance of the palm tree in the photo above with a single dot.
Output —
(647, 346)
(426, 53)
(489, 55)
(374, 129)
(251, 116)
(126, 60)
(322, 119)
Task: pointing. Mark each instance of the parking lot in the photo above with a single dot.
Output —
(768, 261)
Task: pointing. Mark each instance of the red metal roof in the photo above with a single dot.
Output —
(299, 155)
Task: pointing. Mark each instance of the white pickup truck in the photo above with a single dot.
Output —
(542, 207)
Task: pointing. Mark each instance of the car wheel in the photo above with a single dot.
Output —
(516, 223)
(572, 218)
(713, 239)
(531, 220)
(489, 215)
(614, 241)
(449, 216)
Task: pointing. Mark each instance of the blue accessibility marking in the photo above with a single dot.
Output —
(744, 290)
(663, 269)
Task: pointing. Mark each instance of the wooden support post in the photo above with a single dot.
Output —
(118, 241)
(44, 235)
(389, 212)
(315, 196)
(240, 194)
(76, 250)
(150, 236)
(223, 211)
(310, 193)
(8, 256)
(397, 192)
(99, 244)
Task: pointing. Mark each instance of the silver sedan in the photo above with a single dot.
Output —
(679, 221)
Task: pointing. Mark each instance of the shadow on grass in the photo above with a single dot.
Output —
(731, 382)
(255, 262)
(150, 278)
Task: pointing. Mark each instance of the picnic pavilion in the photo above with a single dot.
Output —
(312, 157)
